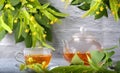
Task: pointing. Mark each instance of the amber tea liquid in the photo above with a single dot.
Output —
(83, 56)
(37, 58)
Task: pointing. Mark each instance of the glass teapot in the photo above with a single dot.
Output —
(80, 43)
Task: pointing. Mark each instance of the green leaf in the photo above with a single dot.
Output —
(25, 15)
(109, 54)
(97, 56)
(8, 18)
(85, 6)
(34, 41)
(38, 69)
(76, 60)
(14, 2)
(1, 6)
(57, 13)
(20, 28)
(2, 34)
(119, 12)
(4, 25)
(114, 8)
(117, 67)
(42, 20)
(24, 2)
(49, 34)
(92, 64)
(25, 34)
(93, 7)
(45, 5)
(112, 48)
(18, 38)
(49, 15)
(77, 2)
(102, 13)
(2, 2)
(28, 41)
(22, 67)
(73, 69)
(48, 46)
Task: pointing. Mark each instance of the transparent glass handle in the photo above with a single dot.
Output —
(18, 57)
(98, 45)
(65, 46)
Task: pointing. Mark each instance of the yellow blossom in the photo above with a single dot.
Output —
(31, 0)
(44, 36)
(26, 30)
(7, 6)
(15, 21)
(52, 22)
(101, 8)
(34, 26)
(97, 12)
(113, 12)
(55, 20)
(10, 32)
(31, 18)
(30, 59)
(119, 5)
(34, 33)
(44, 64)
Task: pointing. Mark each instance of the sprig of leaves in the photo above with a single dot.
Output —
(98, 8)
(29, 20)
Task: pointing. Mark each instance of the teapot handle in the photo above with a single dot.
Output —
(65, 46)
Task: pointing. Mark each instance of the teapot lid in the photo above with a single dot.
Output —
(82, 35)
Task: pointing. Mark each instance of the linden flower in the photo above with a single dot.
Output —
(15, 21)
(34, 25)
(10, 32)
(113, 12)
(55, 20)
(31, 18)
(44, 36)
(101, 8)
(119, 5)
(26, 30)
(34, 33)
(30, 59)
(97, 12)
(52, 22)
(7, 6)
(43, 64)
(31, 0)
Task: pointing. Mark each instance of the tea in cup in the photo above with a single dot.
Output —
(35, 55)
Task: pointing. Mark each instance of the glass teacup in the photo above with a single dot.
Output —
(35, 55)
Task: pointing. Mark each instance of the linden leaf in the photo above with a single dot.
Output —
(22, 67)
(76, 60)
